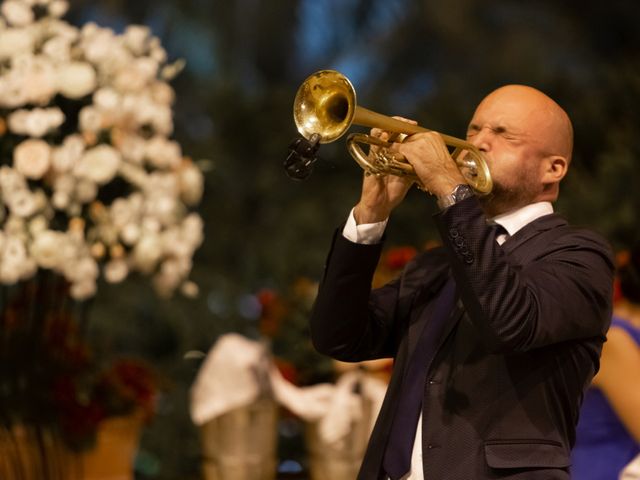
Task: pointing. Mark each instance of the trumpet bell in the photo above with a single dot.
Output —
(325, 104)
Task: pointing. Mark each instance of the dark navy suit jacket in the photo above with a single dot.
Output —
(503, 393)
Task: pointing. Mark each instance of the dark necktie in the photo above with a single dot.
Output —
(397, 456)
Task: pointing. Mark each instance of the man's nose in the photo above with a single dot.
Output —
(483, 139)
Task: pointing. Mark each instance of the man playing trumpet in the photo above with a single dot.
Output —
(496, 334)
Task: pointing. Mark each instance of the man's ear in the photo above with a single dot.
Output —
(554, 169)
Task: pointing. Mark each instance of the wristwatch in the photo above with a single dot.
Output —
(459, 193)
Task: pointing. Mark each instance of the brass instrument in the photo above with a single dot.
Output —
(325, 107)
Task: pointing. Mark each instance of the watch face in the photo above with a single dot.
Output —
(461, 192)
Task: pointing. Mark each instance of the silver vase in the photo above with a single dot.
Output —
(241, 444)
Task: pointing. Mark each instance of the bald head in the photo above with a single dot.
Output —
(545, 120)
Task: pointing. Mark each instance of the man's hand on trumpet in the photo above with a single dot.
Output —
(381, 193)
(430, 158)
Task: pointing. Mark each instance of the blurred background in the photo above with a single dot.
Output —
(432, 61)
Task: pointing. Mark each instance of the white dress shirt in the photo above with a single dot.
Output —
(370, 233)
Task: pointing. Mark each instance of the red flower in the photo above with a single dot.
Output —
(287, 370)
(397, 258)
(129, 384)
(273, 310)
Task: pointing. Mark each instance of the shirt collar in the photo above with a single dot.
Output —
(516, 219)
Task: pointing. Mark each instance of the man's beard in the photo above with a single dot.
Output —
(504, 198)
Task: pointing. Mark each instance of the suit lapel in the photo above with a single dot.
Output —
(531, 230)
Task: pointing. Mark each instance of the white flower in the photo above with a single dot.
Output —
(36, 122)
(11, 93)
(192, 228)
(14, 259)
(22, 203)
(83, 269)
(83, 290)
(58, 49)
(150, 225)
(162, 93)
(164, 208)
(38, 224)
(136, 38)
(130, 233)
(106, 99)
(191, 183)
(39, 80)
(158, 53)
(76, 79)
(115, 271)
(28, 269)
(91, 119)
(11, 180)
(99, 164)
(133, 148)
(163, 153)
(16, 41)
(57, 8)
(16, 226)
(86, 191)
(162, 120)
(189, 289)
(147, 253)
(46, 248)
(122, 213)
(32, 158)
(55, 28)
(60, 200)
(65, 157)
(174, 243)
(171, 274)
(64, 183)
(17, 122)
(136, 75)
(17, 13)
(163, 183)
(171, 71)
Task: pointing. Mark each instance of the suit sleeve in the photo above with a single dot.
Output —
(349, 322)
(564, 294)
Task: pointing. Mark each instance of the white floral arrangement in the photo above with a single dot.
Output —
(90, 181)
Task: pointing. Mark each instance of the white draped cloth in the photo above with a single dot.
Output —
(237, 371)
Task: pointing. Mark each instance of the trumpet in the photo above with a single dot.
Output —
(325, 108)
